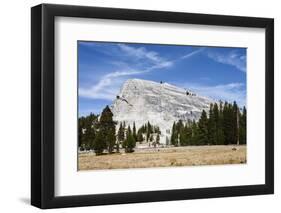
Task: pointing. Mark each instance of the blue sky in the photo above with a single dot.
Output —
(103, 67)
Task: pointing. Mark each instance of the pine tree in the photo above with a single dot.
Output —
(139, 135)
(99, 143)
(120, 136)
(243, 126)
(188, 131)
(236, 115)
(174, 135)
(134, 132)
(203, 129)
(227, 131)
(107, 128)
(148, 131)
(87, 127)
(217, 123)
(151, 138)
(158, 139)
(195, 133)
(182, 137)
(211, 127)
(129, 142)
(220, 129)
(80, 132)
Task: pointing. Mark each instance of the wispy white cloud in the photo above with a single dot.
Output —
(142, 54)
(109, 84)
(192, 53)
(224, 92)
(232, 58)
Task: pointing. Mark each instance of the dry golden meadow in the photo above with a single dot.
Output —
(165, 157)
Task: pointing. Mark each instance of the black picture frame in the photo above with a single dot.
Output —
(43, 102)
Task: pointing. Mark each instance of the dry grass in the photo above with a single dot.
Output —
(165, 157)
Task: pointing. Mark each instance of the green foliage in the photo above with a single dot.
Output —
(121, 133)
(220, 133)
(174, 135)
(107, 129)
(157, 139)
(87, 128)
(134, 132)
(95, 134)
(224, 124)
(212, 127)
(99, 144)
(129, 143)
(120, 136)
(148, 130)
(203, 129)
(242, 126)
(140, 136)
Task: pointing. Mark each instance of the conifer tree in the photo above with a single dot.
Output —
(139, 135)
(242, 126)
(134, 131)
(87, 127)
(107, 128)
(99, 143)
(236, 115)
(216, 120)
(174, 135)
(220, 129)
(183, 137)
(148, 131)
(81, 132)
(120, 136)
(151, 138)
(227, 120)
(212, 126)
(129, 142)
(195, 133)
(203, 129)
(188, 131)
(158, 139)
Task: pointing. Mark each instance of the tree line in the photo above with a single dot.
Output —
(97, 134)
(100, 134)
(225, 124)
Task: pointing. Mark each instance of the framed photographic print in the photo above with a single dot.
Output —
(139, 106)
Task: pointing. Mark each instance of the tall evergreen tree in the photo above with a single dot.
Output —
(139, 135)
(87, 127)
(217, 124)
(220, 129)
(236, 115)
(227, 123)
(148, 131)
(129, 142)
(243, 126)
(99, 144)
(134, 132)
(203, 129)
(158, 138)
(195, 133)
(120, 134)
(174, 135)
(212, 129)
(107, 128)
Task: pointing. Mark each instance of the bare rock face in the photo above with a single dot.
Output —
(161, 104)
